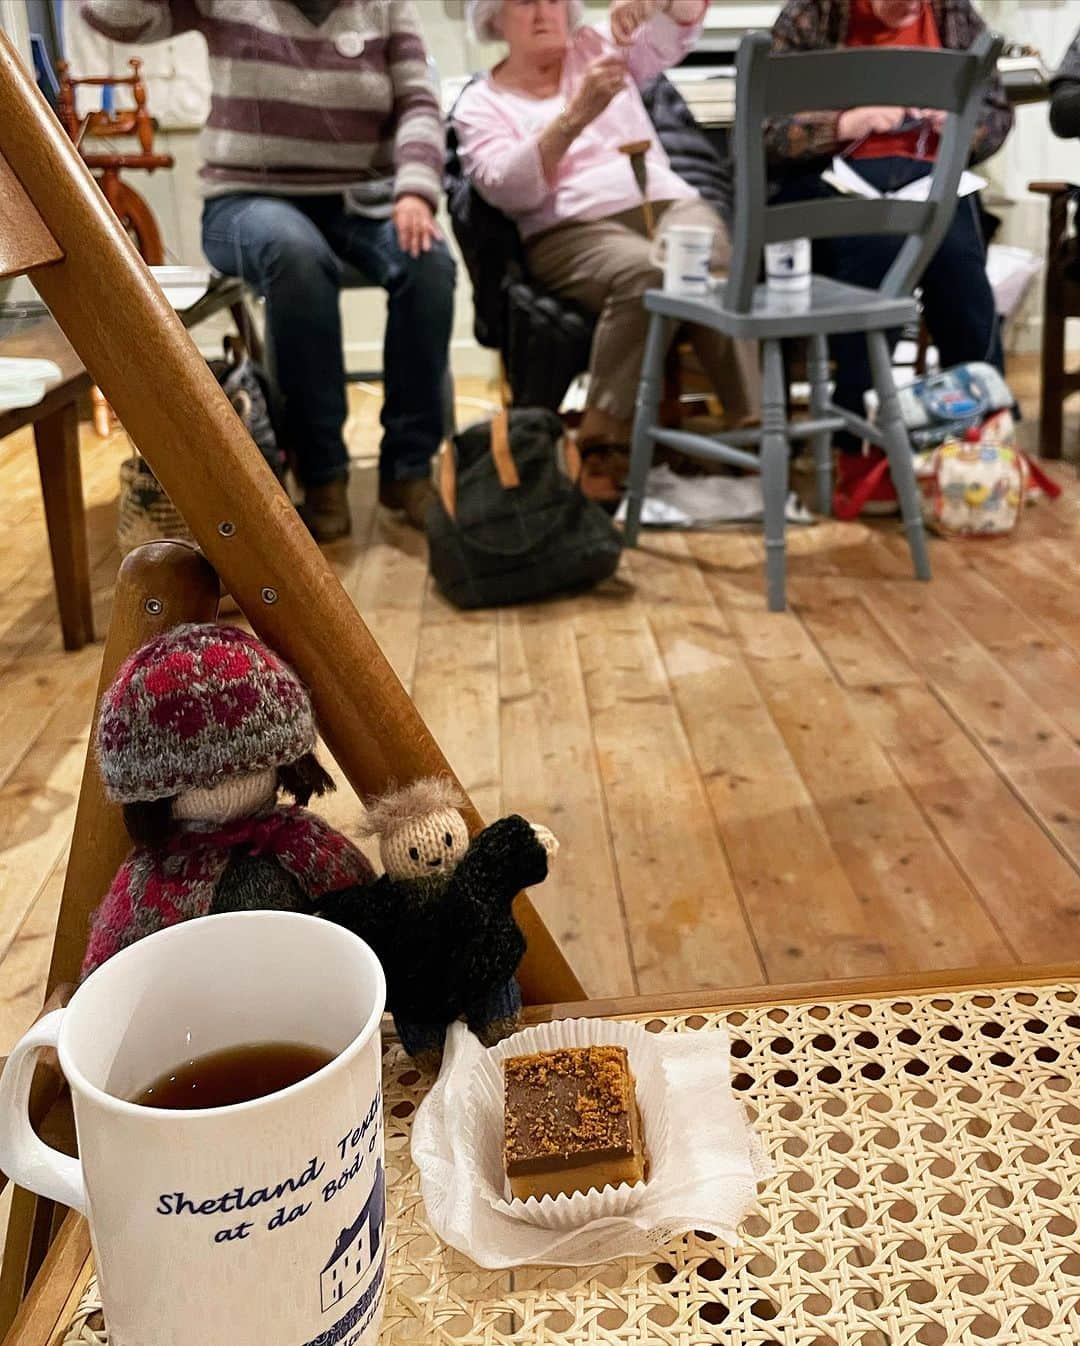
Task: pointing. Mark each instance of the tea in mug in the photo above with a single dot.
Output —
(235, 1075)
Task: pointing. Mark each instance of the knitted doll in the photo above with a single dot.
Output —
(198, 733)
(440, 918)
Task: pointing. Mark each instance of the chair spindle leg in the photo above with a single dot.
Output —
(645, 416)
(775, 458)
(898, 449)
(817, 368)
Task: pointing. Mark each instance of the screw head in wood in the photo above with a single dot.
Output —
(226, 528)
(269, 595)
(154, 606)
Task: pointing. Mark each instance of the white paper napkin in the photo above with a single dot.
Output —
(711, 1186)
(674, 501)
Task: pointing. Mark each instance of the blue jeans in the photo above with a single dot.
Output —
(958, 302)
(291, 250)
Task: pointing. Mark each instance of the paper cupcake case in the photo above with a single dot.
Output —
(704, 1162)
(483, 1123)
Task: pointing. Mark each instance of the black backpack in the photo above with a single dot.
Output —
(508, 525)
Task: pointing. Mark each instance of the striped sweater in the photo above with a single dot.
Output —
(299, 106)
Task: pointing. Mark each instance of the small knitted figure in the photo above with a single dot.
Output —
(440, 918)
(199, 731)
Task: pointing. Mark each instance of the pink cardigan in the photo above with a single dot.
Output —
(498, 133)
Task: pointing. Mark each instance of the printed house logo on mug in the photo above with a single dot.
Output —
(357, 1247)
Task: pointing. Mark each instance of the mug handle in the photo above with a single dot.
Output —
(24, 1156)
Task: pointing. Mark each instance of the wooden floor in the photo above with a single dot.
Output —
(885, 779)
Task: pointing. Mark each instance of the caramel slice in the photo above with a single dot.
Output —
(571, 1122)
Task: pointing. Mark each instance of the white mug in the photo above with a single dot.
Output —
(787, 265)
(684, 251)
(258, 1224)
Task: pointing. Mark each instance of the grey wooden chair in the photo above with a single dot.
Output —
(769, 86)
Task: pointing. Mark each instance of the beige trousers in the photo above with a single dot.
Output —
(606, 266)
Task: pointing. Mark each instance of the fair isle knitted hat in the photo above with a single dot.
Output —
(194, 706)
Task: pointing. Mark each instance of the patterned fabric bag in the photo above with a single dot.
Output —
(972, 475)
(975, 485)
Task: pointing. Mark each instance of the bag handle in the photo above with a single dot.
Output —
(500, 451)
(448, 478)
(505, 467)
(1047, 485)
(848, 508)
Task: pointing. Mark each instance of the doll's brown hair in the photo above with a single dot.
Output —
(151, 823)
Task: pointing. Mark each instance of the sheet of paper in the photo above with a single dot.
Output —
(849, 182)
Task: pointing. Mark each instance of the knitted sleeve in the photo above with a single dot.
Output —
(500, 861)
(142, 20)
(660, 44)
(113, 926)
(419, 134)
(370, 910)
(801, 26)
(960, 26)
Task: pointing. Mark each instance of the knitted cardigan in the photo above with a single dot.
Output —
(814, 25)
(446, 941)
(287, 858)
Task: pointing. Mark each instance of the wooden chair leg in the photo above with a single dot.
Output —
(27, 1239)
(182, 423)
(57, 439)
(40, 1312)
(645, 418)
(245, 325)
(1051, 409)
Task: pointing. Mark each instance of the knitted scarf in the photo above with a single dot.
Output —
(160, 886)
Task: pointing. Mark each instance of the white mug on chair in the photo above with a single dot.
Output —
(787, 265)
(255, 1224)
(684, 251)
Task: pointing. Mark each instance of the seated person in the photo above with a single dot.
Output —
(891, 146)
(325, 143)
(539, 137)
(1065, 94)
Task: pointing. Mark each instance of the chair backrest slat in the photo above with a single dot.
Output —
(769, 86)
(826, 219)
(848, 77)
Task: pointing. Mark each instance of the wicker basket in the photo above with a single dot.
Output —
(145, 512)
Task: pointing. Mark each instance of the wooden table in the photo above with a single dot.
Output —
(926, 1141)
(56, 436)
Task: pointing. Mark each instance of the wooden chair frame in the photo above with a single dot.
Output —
(56, 226)
(1061, 300)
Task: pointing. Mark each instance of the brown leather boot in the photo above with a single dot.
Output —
(326, 510)
(410, 497)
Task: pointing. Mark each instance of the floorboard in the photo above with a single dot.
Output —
(886, 778)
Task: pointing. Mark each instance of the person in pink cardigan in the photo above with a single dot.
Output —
(539, 137)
